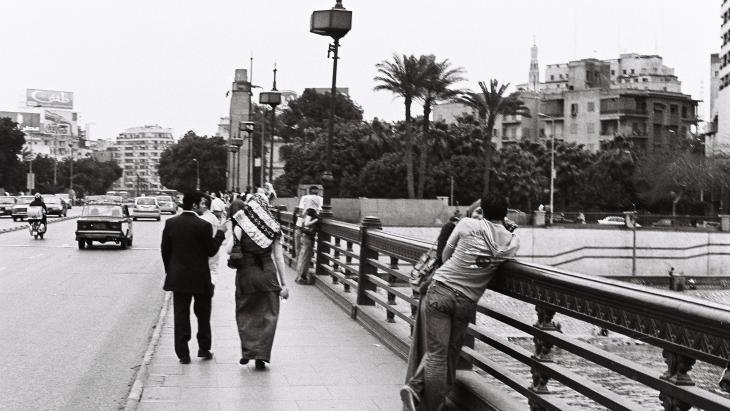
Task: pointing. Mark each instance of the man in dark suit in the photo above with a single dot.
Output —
(186, 247)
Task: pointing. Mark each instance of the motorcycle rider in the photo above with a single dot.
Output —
(38, 202)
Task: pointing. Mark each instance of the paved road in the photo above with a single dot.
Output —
(7, 221)
(74, 324)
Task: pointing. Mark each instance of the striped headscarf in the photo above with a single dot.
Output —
(257, 222)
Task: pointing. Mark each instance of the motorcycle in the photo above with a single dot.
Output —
(35, 222)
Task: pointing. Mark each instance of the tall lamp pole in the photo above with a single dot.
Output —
(271, 98)
(552, 164)
(334, 23)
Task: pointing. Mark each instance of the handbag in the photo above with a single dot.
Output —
(235, 259)
(423, 270)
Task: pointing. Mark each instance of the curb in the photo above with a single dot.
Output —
(135, 393)
(25, 226)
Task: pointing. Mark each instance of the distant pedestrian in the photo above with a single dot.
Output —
(311, 200)
(306, 246)
(259, 280)
(186, 246)
(215, 222)
(472, 254)
(216, 205)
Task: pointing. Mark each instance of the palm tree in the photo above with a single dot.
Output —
(489, 103)
(403, 76)
(438, 79)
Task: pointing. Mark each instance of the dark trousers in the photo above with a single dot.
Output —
(201, 308)
(437, 341)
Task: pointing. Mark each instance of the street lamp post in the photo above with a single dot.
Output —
(552, 164)
(334, 23)
(271, 98)
(197, 174)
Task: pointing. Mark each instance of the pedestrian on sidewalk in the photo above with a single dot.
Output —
(186, 246)
(260, 279)
(311, 200)
(306, 246)
(472, 254)
(215, 221)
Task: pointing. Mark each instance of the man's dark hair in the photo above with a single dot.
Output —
(313, 188)
(190, 198)
(494, 207)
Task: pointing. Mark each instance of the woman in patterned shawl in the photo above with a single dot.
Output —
(260, 280)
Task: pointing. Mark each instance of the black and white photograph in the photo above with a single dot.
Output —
(365, 205)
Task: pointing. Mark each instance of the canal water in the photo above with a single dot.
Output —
(704, 375)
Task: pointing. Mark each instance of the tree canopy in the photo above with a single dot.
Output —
(177, 169)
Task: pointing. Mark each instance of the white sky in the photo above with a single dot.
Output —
(170, 62)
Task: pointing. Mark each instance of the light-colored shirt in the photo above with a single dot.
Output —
(212, 261)
(475, 241)
(308, 201)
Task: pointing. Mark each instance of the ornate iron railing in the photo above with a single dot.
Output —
(369, 269)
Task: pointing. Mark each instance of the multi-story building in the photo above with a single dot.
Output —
(589, 101)
(137, 151)
(722, 136)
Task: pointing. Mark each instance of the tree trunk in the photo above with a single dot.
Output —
(488, 154)
(423, 151)
(409, 152)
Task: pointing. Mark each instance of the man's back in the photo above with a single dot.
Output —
(186, 245)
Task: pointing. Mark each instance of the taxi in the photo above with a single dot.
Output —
(104, 221)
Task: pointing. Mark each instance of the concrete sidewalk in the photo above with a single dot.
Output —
(322, 360)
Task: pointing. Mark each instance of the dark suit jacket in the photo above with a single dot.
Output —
(186, 246)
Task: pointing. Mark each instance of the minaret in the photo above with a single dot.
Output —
(534, 69)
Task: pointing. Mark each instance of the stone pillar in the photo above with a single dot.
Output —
(239, 112)
(724, 222)
(539, 219)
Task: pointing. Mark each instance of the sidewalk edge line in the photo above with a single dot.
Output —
(135, 393)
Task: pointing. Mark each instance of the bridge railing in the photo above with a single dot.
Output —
(369, 269)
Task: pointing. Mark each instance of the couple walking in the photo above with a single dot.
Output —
(188, 241)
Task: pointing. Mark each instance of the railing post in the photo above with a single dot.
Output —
(348, 261)
(542, 352)
(322, 247)
(391, 282)
(336, 266)
(365, 269)
(678, 366)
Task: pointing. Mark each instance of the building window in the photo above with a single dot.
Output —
(573, 109)
(552, 77)
(624, 72)
(673, 109)
(684, 111)
(632, 71)
(591, 107)
(613, 72)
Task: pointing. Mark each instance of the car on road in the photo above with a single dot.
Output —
(6, 205)
(664, 222)
(612, 220)
(55, 206)
(146, 207)
(104, 221)
(167, 205)
(20, 209)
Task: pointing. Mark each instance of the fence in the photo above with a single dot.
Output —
(364, 271)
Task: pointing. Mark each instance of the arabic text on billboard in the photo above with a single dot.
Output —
(56, 123)
(50, 98)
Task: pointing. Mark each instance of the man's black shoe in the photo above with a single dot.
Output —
(243, 361)
(185, 360)
(260, 365)
(206, 355)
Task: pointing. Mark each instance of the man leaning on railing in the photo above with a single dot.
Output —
(471, 256)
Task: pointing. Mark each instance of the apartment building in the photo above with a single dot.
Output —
(137, 150)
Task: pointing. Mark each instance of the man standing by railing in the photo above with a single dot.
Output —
(471, 256)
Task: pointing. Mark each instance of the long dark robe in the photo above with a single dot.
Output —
(257, 303)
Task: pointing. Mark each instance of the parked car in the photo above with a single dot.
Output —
(66, 199)
(6, 205)
(146, 207)
(104, 221)
(55, 206)
(167, 205)
(612, 220)
(20, 209)
(664, 222)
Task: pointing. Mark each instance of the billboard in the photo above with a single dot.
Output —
(49, 98)
(26, 121)
(57, 123)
